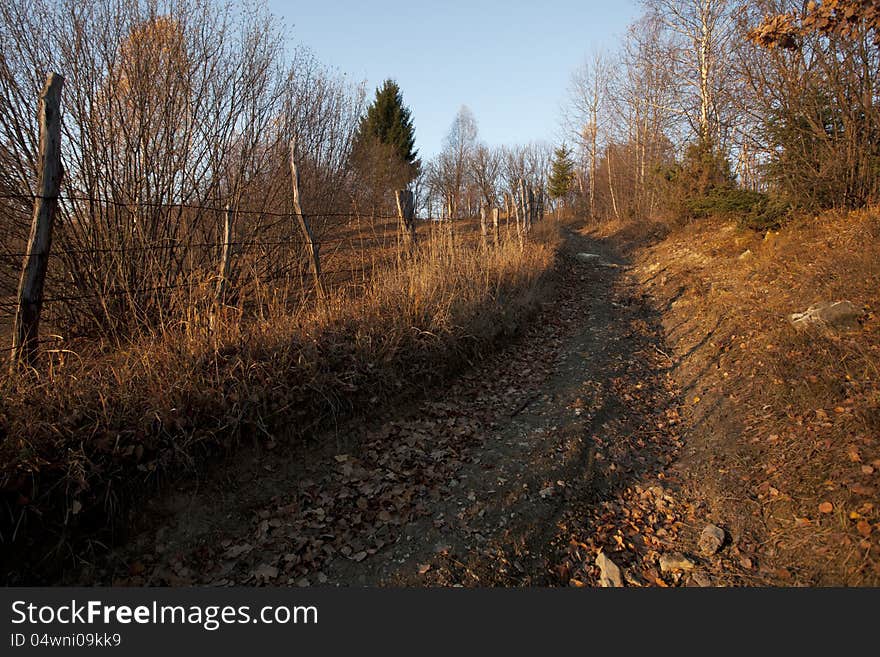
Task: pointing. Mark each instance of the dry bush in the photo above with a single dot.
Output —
(83, 441)
(173, 109)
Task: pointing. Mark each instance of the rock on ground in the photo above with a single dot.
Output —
(711, 539)
(701, 580)
(675, 561)
(837, 314)
(609, 573)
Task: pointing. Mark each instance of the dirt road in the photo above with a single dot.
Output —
(519, 472)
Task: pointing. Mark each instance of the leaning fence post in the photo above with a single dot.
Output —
(524, 213)
(25, 334)
(311, 244)
(406, 211)
(224, 254)
(531, 213)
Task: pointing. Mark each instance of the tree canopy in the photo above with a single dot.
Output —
(389, 122)
(562, 173)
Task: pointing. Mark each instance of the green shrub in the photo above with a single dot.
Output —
(754, 210)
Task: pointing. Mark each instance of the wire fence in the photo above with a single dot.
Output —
(101, 259)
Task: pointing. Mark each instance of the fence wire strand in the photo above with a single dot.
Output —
(336, 246)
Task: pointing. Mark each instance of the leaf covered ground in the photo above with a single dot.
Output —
(604, 430)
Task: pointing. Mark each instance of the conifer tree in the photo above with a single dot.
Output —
(561, 178)
(388, 122)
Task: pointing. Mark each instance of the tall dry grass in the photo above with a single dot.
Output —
(84, 441)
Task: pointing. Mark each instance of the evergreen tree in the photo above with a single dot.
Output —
(561, 178)
(388, 122)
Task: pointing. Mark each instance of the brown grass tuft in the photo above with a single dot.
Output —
(85, 441)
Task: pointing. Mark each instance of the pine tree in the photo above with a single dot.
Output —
(561, 178)
(389, 122)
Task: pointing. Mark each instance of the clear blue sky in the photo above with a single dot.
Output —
(509, 61)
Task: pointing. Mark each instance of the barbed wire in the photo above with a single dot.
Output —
(337, 246)
(245, 244)
(242, 244)
(37, 343)
(188, 206)
(102, 294)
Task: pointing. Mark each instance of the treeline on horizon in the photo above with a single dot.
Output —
(755, 109)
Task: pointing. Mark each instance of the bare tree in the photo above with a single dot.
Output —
(586, 115)
(461, 141)
(810, 94)
(173, 109)
(702, 32)
(485, 166)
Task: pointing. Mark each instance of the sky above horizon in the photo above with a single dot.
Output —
(509, 62)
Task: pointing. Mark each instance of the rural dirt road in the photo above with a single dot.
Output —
(520, 472)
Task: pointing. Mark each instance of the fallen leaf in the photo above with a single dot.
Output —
(266, 572)
(237, 550)
(826, 507)
(864, 528)
(423, 568)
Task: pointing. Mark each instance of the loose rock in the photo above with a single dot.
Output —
(837, 314)
(609, 573)
(701, 580)
(711, 539)
(675, 561)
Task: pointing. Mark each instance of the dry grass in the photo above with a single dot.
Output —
(83, 441)
(796, 414)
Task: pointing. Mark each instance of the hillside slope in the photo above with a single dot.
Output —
(783, 445)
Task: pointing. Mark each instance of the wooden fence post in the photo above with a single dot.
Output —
(525, 208)
(311, 245)
(484, 222)
(406, 211)
(25, 334)
(512, 210)
(532, 208)
(224, 255)
(496, 228)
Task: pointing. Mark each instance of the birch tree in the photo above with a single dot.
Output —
(702, 32)
(586, 118)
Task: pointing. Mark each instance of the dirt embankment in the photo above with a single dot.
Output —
(783, 425)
